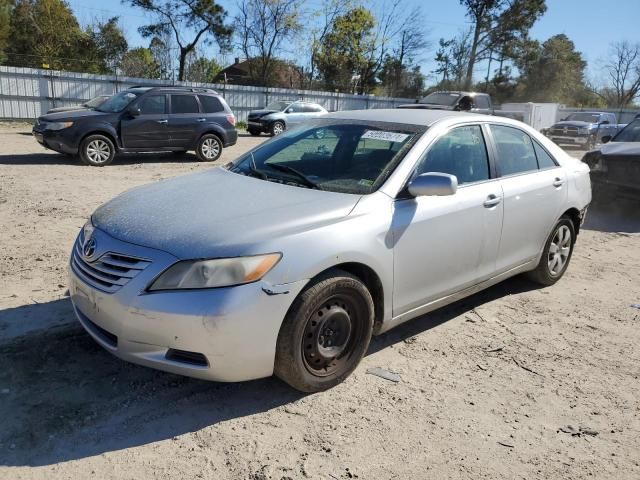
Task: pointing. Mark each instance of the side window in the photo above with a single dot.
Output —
(153, 105)
(544, 159)
(296, 108)
(515, 150)
(210, 104)
(184, 104)
(482, 102)
(461, 152)
(612, 118)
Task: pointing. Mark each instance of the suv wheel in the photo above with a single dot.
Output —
(326, 333)
(277, 128)
(97, 150)
(209, 148)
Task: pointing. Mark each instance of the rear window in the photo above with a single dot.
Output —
(184, 104)
(210, 104)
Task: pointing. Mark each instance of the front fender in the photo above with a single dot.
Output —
(95, 128)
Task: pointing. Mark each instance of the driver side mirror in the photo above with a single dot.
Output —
(606, 138)
(433, 184)
(134, 111)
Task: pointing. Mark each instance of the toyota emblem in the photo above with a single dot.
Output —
(89, 248)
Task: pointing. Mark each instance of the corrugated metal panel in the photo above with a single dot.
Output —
(26, 93)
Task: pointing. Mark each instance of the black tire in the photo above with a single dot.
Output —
(545, 274)
(253, 132)
(209, 148)
(325, 333)
(97, 150)
(276, 128)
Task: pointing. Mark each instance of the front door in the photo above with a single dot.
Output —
(445, 244)
(149, 129)
(535, 190)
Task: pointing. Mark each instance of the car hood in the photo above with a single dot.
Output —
(217, 213)
(571, 123)
(262, 113)
(621, 148)
(66, 109)
(71, 115)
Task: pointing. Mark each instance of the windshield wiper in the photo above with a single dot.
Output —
(301, 176)
(254, 170)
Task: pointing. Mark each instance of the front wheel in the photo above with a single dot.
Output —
(97, 151)
(325, 333)
(277, 128)
(556, 255)
(209, 148)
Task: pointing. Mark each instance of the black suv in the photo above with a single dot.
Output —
(142, 119)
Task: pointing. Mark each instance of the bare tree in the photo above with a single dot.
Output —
(623, 70)
(262, 27)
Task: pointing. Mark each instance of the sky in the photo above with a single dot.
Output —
(591, 24)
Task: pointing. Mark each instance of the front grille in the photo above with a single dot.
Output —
(109, 272)
(622, 171)
(570, 131)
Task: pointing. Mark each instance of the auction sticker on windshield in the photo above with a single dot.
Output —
(382, 135)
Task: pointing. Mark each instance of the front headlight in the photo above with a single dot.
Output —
(584, 131)
(58, 125)
(221, 272)
(87, 229)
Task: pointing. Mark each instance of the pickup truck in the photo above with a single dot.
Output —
(459, 101)
(584, 129)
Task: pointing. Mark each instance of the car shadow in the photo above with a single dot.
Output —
(125, 159)
(65, 398)
(611, 211)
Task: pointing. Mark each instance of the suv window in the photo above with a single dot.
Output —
(184, 104)
(515, 150)
(481, 101)
(309, 108)
(153, 105)
(461, 152)
(296, 108)
(544, 159)
(210, 104)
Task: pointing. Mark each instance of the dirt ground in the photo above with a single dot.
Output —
(514, 382)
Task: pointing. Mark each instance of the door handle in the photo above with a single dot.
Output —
(558, 182)
(162, 121)
(202, 120)
(491, 201)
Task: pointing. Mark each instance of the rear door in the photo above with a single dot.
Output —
(535, 191)
(184, 120)
(149, 129)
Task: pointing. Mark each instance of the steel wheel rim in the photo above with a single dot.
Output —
(278, 129)
(559, 250)
(98, 151)
(332, 334)
(210, 148)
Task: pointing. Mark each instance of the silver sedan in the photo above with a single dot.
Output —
(290, 258)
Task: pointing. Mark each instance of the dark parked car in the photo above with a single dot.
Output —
(617, 162)
(93, 103)
(458, 101)
(142, 119)
(584, 129)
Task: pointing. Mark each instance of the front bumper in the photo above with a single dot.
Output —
(233, 329)
(258, 125)
(55, 140)
(561, 140)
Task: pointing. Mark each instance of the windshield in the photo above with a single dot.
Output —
(440, 98)
(339, 157)
(279, 105)
(95, 102)
(118, 102)
(630, 133)
(584, 117)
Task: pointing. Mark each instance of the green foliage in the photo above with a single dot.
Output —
(109, 43)
(202, 70)
(139, 62)
(345, 51)
(6, 7)
(204, 18)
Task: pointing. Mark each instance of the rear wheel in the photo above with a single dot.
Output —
(209, 148)
(326, 333)
(97, 150)
(557, 253)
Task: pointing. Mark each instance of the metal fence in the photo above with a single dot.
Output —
(26, 93)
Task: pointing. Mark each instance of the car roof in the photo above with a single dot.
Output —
(407, 116)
